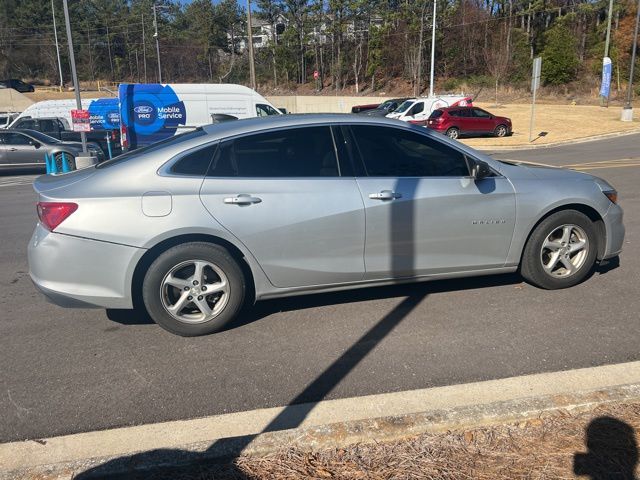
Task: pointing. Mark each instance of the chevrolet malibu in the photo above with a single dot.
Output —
(191, 228)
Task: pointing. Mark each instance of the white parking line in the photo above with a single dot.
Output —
(12, 181)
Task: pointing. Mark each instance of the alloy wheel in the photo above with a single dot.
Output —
(564, 251)
(195, 291)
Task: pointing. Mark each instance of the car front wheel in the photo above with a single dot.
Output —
(501, 131)
(194, 289)
(561, 251)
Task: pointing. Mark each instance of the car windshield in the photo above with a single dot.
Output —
(182, 137)
(41, 137)
(404, 106)
(386, 104)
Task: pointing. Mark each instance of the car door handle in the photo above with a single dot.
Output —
(13, 149)
(385, 195)
(242, 199)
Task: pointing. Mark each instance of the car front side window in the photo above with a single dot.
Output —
(392, 152)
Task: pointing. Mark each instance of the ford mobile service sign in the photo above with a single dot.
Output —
(150, 112)
(105, 114)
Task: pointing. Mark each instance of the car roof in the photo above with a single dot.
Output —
(250, 125)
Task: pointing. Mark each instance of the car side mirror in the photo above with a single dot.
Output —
(480, 170)
(34, 143)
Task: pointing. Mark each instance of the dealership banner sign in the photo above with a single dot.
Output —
(606, 77)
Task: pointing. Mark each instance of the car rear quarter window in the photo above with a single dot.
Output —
(393, 152)
(195, 162)
(297, 152)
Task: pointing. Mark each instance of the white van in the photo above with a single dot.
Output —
(55, 109)
(152, 112)
(417, 110)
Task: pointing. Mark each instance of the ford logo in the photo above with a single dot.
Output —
(143, 109)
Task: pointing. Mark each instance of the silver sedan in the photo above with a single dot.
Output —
(191, 228)
(24, 148)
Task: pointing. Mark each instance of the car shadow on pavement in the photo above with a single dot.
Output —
(262, 309)
(612, 451)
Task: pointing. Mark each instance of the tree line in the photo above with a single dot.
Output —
(358, 45)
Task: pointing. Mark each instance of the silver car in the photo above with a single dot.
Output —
(24, 148)
(193, 227)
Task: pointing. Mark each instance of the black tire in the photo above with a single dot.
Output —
(71, 161)
(453, 133)
(501, 131)
(533, 256)
(154, 289)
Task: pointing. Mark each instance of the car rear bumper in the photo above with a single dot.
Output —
(615, 232)
(78, 272)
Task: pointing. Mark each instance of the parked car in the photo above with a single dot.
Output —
(17, 85)
(457, 121)
(262, 208)
(417, 110)
(58, 128)
(364, 108)
(27, 149)
(384, 108)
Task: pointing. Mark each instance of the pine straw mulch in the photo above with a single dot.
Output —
(543, 448)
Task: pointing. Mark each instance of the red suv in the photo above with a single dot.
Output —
(456, 121)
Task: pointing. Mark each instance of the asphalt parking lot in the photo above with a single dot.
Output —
(66, 371)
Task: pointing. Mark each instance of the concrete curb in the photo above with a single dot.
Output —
(508, 148)
(328, 424)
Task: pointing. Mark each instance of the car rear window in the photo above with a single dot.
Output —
(436, 114)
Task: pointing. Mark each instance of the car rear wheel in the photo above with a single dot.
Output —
(453, 132)
(71, 162)
(501, 131)
(194, 289)
(561, 251)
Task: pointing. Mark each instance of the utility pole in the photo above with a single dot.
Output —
(74, 74)
(252, 66)
(144, 51)
(606, 45)
(109, 47)
(55, 34)
(155, 24)
(627, 111)
(433, 47)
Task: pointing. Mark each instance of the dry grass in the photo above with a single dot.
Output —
(540, 449)
(562, 122)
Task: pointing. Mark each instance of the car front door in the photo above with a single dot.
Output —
(23, 150)
(418, 115)
(284, 195)
(482, 121)
(424, 213)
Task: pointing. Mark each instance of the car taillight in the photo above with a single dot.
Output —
(52, 214)
(124, 141)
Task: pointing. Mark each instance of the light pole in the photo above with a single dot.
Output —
(627, 111)
(74, 74)
(433, 47)
(55, 34)
(155, 35)
(252, 66)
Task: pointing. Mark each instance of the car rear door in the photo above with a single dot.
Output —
(283, 194)
(424, 213)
